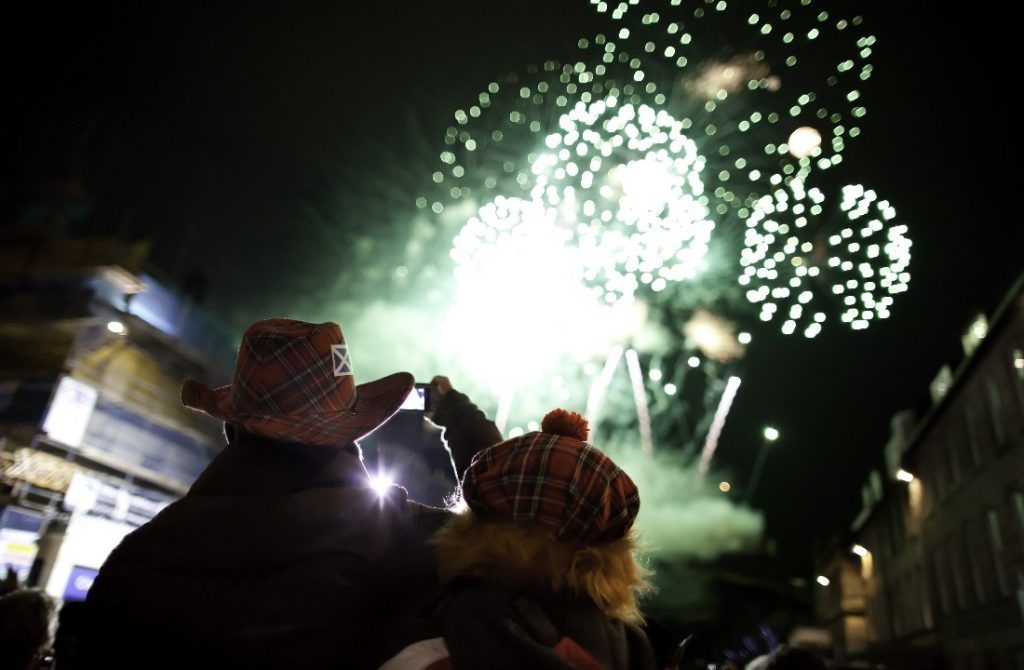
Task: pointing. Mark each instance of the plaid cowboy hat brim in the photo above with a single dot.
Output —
(376, 402)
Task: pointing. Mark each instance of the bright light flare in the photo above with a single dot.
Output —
(513, 259)
(904, 476)
(116, 327)
(823, 580)
(770, 433)
(381, 484)
(860, 550)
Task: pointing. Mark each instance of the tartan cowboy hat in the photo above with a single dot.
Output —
(294, 382)
(553, 478)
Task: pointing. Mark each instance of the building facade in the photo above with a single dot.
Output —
(93, 438)
(931, 573)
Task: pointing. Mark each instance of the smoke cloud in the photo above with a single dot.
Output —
(682, 515)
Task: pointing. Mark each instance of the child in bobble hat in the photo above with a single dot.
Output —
(539, 568)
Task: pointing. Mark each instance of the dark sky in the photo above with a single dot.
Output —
(211, 130)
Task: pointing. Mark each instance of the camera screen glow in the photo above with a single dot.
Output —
(416, 400)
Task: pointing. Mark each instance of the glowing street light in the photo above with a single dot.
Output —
(823, 580)
(860, 550)
(771, 433)
(904, 476)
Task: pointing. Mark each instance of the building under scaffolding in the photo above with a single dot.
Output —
(93, 438)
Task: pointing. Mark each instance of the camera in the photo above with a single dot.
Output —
(418, 399)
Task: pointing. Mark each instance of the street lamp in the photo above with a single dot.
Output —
(770, 435)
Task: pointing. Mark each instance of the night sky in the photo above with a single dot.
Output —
(228, 135)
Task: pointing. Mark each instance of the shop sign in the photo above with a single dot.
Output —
(70, 411)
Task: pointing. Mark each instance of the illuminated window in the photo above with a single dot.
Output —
(1018, 508)
(996, 407)
(953, 456)
(937, 463)
(927, 616)
(995, 539)
(1017, 370)
(958, 568)
(977, 425)
(975, 554)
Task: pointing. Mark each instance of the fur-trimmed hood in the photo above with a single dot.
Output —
(529, 555)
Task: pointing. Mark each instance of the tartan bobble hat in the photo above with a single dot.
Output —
(294, 382)
(553, 477)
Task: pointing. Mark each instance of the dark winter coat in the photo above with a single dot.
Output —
(280, 556)
(487, 624)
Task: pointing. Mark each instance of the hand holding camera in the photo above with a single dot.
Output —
(426, 397)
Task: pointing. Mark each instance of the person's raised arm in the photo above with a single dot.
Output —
(467, 429)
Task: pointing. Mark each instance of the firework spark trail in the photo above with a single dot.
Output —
(504, 407)
(718, 423)
(636, 377)
(600, 386)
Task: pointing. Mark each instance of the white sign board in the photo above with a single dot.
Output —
(17, 550)
(69, 412)
(87, 542)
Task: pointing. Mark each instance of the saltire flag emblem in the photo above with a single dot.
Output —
(342, 360)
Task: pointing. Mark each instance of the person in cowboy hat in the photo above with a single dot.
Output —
(539, 569)
(280, 555)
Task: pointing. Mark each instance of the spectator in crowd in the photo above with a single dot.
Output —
(540, 568)
(282, 554)
(26, 629)
(10, 583)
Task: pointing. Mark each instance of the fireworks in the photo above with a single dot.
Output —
(627, 180)
(782, 99)
(520, 301)
(739, 103)
(801, 259)
(621, 181)
(773, 76)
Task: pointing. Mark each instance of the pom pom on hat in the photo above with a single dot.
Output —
(555, 478)
(565, 423)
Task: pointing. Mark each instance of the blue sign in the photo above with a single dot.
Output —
(79, 583)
